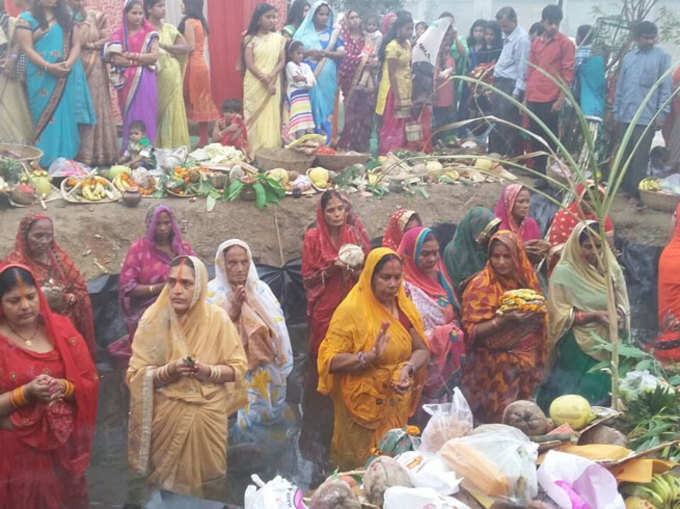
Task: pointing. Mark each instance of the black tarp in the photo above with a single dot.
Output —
(640, 264)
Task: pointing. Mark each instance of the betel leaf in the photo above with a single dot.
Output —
(210, 202)
(260, 196)
(234, 190)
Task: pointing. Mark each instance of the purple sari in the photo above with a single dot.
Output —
(144, 264)
(138, 90)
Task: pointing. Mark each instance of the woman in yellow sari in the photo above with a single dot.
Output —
(173, 129)
(372, 360)
(185, 356)
(263, 58)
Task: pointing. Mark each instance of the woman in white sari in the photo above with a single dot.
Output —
(259, 319)
(185, 356)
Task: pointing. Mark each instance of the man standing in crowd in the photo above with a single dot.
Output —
(640, 70)
(509, 74)
(552, 52)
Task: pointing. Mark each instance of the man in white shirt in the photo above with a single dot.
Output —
(509, 74)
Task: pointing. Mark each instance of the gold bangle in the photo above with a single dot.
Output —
(68, 389)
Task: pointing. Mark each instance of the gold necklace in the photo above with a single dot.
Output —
(28, 342)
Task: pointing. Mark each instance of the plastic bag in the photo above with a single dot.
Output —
(449, 420)
(398, 497)
(276, 494)
(498, 460)
(638, 382)
(572, 481)
(396, 441)
(429, 471)
(671, 184)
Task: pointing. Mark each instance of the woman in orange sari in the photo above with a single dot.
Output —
(505, 353)
(373, 360)
(667, 344)
(48, 400)
(36, 248)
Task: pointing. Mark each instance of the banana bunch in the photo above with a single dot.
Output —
(95, 189)
(124, 182)
(649, 184)
(663, 492)
(524, 299)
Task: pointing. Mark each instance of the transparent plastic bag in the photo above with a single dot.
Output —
(278, 493)
(497, 460)
(449, 420)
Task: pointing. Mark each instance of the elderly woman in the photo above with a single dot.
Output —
(400, 222)
(186, 353)
(258, 316)
(577, 311)
(507, 352)
(372, 361)
(428, 285)
(56, 273)
(48, 400)
(466, 254)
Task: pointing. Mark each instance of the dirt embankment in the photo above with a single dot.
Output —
(98, 236)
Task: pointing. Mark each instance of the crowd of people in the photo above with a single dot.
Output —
(401, 329)
(347, 78)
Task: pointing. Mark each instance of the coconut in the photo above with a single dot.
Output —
(351, 255)
(603, 435)
(384, 472)
(334, 494)
(527, 417)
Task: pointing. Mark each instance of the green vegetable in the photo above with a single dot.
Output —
(260, 195)
(234, 190)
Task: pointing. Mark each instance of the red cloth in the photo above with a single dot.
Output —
(227, 20)
(45, 456)
(326, 285)
(667, 345)
(556, 57)
(62, 271)
(238, 139)
(566, 220)
(12, 10)
(353, 55)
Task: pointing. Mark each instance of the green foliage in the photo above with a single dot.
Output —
(379, 7)
(669, 25)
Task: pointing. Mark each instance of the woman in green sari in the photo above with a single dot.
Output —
(577, 308)
(466, 254)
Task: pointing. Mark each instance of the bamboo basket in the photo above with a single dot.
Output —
(23, 153)
(270, 158)
(659, 200)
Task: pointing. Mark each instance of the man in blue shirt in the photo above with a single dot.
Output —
(640, 70)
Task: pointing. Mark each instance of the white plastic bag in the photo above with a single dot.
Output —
(429, 471)
(497, 460)
(276, 494)
(399, 497)
(449, 420)
(589, 482)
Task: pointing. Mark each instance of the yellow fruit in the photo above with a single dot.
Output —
(638, 503)
(42, 185)
(280, 175)
(482, 163)
(319, 176)
(571, 409)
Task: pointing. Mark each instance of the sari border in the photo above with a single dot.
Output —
(140, 461)
(134, 87)
(57, 94)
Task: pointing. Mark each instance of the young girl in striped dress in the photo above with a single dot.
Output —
(301, 80)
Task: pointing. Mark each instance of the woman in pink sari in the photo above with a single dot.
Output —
(145, 269)
(428, 285)
(133, 51)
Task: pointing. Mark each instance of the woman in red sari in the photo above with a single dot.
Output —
(566, 220)
(36, 248)
(667, 344)
(505, 353)
(327, 281)
(48, 400)
(401, 221)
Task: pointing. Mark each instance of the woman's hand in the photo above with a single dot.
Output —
(381, 341)
(201, 372)
(518, 316)
(404, 382)
(39, 388)
(179, 368)
(237, 299)
(70, 299)
(57, 70)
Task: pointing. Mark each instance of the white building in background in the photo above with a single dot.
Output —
(577, 12)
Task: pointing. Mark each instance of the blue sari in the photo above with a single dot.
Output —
(58, 105)
(323, 94)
